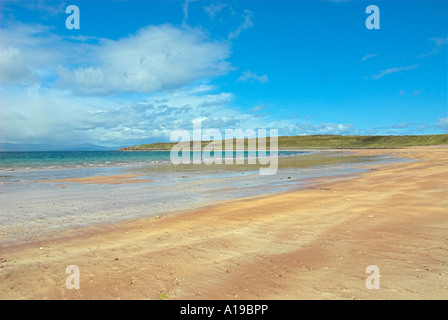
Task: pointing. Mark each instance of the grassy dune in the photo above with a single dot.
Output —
(325, 141)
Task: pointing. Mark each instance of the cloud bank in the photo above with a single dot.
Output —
(155, 58)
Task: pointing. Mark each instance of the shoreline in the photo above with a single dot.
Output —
(66, 204)
(108, 163)
(313, 243)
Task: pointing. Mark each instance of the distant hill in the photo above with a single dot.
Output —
(326, 141)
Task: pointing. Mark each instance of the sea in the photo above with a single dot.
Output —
(18, 161)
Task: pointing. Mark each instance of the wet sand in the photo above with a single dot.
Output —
(115, 179)
(307, 244)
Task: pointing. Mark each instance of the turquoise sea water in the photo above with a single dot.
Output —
(11, 161)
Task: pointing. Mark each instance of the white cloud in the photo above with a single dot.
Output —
(325, 128)
(417, 92)
(59, 90)
(37, 115)
(156, 58)
(257, 108)
(185, 6)
(392, 70)
(13, 65)
(27, 52)
(430, 53)
(252, 76)
(33, 115)
(409, 128)
(214, 8)
(288, 127)
(54, 116)
(247, 23)
(439, 41)
(442, 123)
(46, 8)
(368, 56)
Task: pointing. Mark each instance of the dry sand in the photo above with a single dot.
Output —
(306, 244)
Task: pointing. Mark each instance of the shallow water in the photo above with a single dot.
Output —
(28, 161)
(32, 208)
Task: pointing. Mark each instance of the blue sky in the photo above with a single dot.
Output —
(137, 70)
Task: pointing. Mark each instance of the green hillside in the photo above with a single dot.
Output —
(326, 141)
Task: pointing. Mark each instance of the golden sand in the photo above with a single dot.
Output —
(306, 244)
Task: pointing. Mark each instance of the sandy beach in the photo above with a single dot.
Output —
(313, 243)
